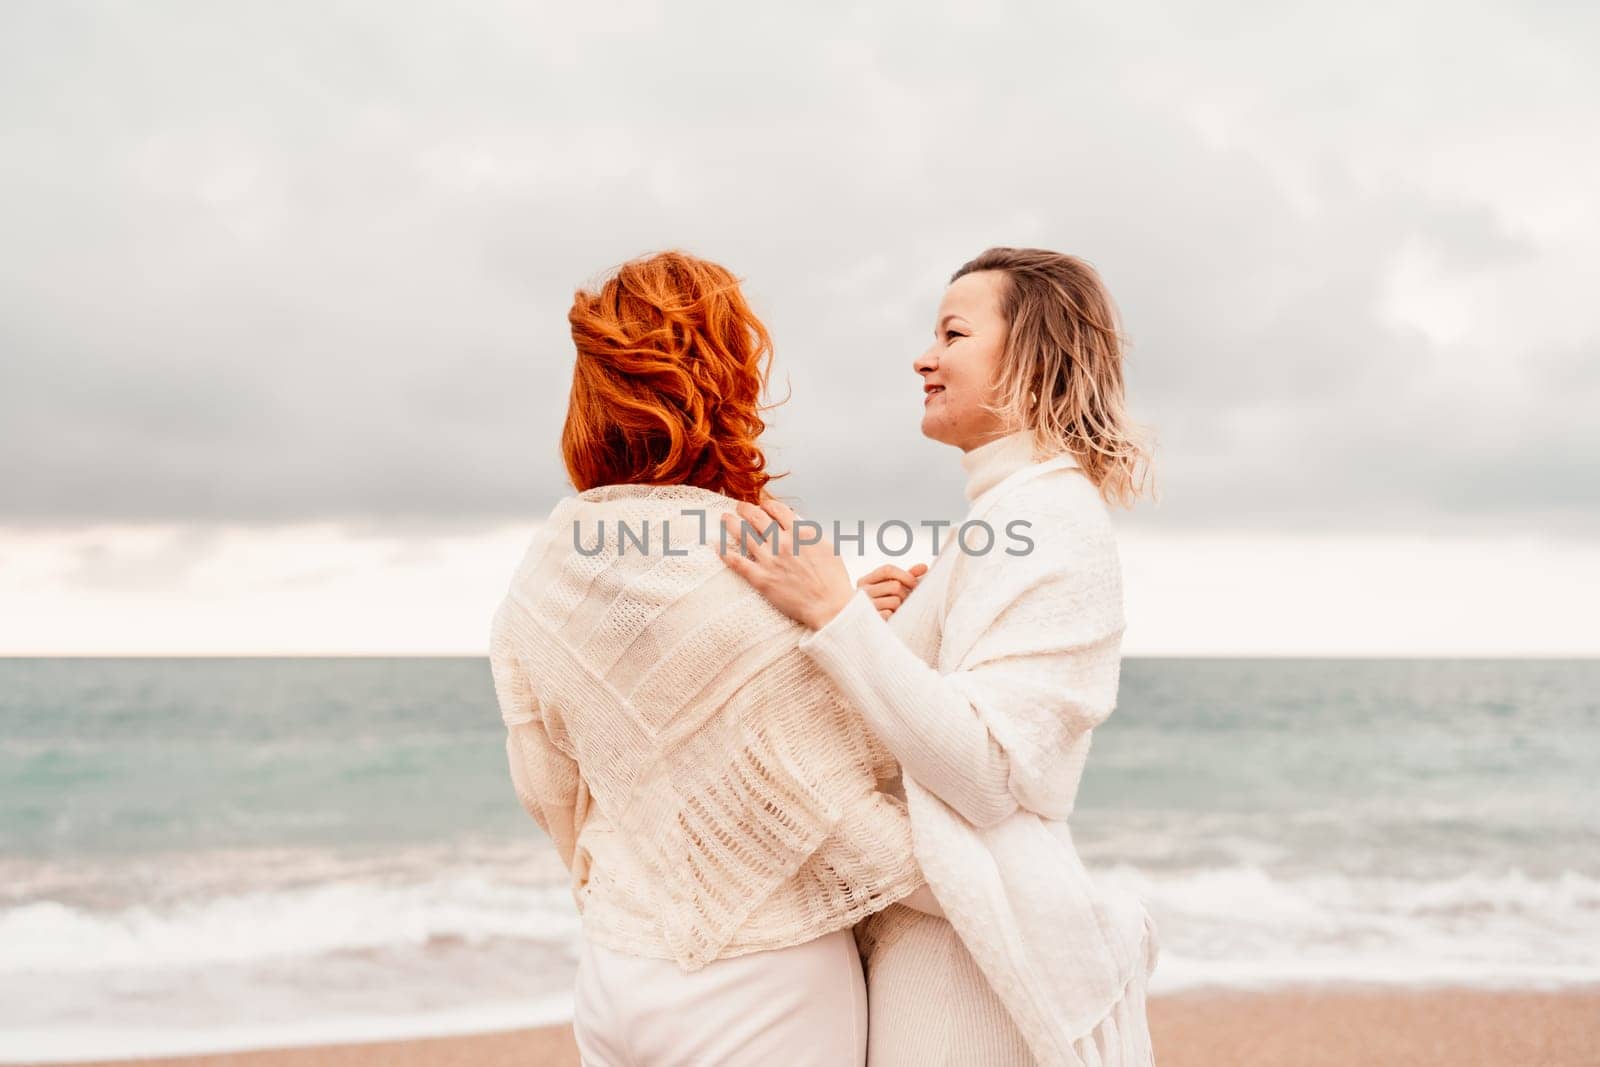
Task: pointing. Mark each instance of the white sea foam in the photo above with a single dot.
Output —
(1226, 915)
(1243, 926)
(60, 1045)
(370, 958)
(279, 924)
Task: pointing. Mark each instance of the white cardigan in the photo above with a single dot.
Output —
(986, 684)
(709, 790)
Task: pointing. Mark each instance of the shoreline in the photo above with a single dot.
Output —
(1312, 1026)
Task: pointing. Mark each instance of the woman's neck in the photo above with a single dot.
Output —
(989, 463)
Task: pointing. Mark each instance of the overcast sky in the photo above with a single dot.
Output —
(266, 268)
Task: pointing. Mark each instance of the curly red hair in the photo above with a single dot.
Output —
(671, 365)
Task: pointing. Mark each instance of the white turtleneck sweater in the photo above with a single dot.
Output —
(986, 685)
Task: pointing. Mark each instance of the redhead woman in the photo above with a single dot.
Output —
(717, 802)
(986, 677)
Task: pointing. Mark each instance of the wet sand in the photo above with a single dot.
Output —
(1293, 1028)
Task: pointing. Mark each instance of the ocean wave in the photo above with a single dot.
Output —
(355, 958)
(278, 924)
(1266, 896)
(1248, 926)
(1230, 915)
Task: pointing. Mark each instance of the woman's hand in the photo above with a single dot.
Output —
(807, 582)
(888, 586)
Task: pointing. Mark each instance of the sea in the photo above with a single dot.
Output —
(204, 854)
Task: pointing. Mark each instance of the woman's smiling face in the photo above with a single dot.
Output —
(959, 371)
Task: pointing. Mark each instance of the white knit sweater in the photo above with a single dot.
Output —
(986, 684)
(709, 788)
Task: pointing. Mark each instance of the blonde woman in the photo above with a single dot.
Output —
(715, 799)
(986, 677)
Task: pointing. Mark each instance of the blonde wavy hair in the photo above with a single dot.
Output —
(1061, 374)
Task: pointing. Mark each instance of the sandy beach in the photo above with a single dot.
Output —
(1299, 1028)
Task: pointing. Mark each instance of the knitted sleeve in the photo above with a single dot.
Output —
(1033, 649)
(930, 725)
(545, 778)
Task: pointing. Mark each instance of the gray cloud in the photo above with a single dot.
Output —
(285, 262)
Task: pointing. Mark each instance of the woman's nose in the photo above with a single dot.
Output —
(925, 363)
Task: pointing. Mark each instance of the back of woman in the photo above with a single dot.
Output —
(714, 797)
(729, 796)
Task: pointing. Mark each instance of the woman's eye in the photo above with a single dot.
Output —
(950, 335)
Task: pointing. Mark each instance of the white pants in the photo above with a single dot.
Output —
(804, 1006)
(930, 1004)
